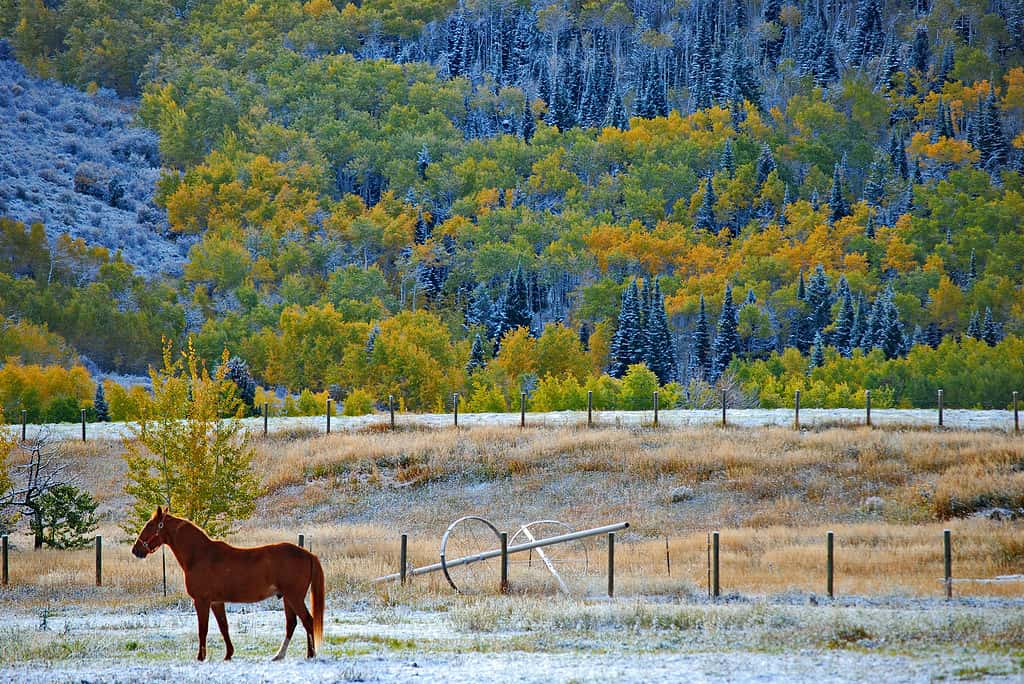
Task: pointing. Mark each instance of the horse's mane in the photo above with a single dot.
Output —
(185, 523)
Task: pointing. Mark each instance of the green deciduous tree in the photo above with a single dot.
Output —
(184, 456)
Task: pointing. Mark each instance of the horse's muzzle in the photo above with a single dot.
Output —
(139, 552)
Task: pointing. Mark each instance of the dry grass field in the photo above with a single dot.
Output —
(772, 492)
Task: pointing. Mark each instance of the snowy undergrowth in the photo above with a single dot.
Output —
(519, 639)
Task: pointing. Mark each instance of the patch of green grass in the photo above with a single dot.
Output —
(389, 643)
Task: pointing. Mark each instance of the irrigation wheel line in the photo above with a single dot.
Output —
(464, 521)
(552, 561)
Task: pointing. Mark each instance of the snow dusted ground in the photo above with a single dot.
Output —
(401, 644)
(957, 419)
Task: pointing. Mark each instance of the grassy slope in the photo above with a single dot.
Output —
(772, 492)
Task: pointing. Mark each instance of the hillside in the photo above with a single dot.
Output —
(415, 199)
(76, 164)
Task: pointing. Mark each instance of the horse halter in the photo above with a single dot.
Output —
(145, 543)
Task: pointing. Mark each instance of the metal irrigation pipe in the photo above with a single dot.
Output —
(493, 553)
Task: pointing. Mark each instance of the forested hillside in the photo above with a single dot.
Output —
(416, 198)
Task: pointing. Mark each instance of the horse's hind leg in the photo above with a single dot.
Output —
(307, 622)
(290, 622)
(222, 622)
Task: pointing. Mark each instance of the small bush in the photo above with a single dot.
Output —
(358, 403)
(67, 516)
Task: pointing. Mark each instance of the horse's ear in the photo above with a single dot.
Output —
(159, 513)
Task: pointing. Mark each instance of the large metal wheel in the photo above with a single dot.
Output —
(559, 567)
(464, 540)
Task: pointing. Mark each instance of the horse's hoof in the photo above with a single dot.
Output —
(277, 658)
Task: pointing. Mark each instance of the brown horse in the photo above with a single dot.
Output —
(217, 573)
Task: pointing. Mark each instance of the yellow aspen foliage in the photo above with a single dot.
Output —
(518, 354)
(946, 303)
(944, 150)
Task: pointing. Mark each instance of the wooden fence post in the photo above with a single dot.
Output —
(328, 415)
(455, 405)
(24, 423)
(715, 587)
(403, 556)
(6, 576)
(724, 402)
(940, 407)
(504, 563)
(867, 406)
(655, 401)
(83, 425)
(1016, 412)
(947, 552)
(796, 411)
(99, 561)
(522, 409)
(302, 541)
(391, 409)
(611, 564)
(590, 408)
(668, 559)
(830, 564)
(266, 412)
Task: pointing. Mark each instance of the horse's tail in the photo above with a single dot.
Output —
(316, 584)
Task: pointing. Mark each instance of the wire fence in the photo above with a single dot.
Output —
(799, 417)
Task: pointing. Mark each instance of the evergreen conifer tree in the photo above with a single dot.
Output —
(659, 352)
(727, 163)
(886, 327)
(921, 53)
(990, 330)
(991, 141)
(585, 333)
(700, 354)
(517, 301)
(238, 372)
(771, 45)
(974, 327)
(477, 360)
(867, 38)
(818, 352)
(860, 316)
(100, 405)
(705, 219)
(616, 117)
(528, 126)
(765, 164)
(825, 71)
(423, 161)
(625, 349)
(842, 333)
(727, 342)
(838, 208)
(819, 300)
(898, 156)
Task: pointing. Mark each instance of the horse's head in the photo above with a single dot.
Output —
(152, 535)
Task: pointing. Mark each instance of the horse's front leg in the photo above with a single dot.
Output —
(203, 616)
(222, 622)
